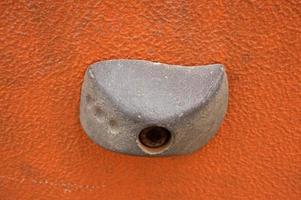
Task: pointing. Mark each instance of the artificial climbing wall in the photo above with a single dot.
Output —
(46, 46)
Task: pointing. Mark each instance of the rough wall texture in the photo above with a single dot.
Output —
(45, 47)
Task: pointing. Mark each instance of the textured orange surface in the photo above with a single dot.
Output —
(46, 46)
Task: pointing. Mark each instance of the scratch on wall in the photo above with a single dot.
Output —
(67, 187)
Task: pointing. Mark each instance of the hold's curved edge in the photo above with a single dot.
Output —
(221, 95)
(211, 91)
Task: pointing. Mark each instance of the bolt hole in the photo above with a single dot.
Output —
(154, 137)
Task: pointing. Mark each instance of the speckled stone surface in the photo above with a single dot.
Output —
(121, 97)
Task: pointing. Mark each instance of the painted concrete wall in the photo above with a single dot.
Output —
(46, 46)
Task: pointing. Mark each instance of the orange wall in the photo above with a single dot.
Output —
(47, 45)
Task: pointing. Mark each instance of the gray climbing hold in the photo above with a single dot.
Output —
(145, 108)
